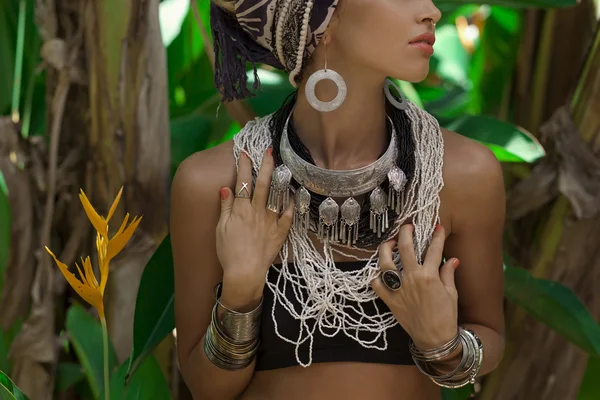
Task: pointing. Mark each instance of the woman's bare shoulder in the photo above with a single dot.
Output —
(473, 178)
(467, 161)
(207, 170)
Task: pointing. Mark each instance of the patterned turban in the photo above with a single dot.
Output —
(250, 35)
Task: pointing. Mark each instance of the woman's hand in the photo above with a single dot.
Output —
(426, 305)
(249, 235)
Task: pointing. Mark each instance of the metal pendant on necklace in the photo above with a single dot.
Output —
(397, 179)
(302, 209)
(379, 211)
(279, 195)
(349, 222)
(328, 221)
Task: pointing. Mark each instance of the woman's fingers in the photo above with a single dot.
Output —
(263, 181)
(284, 223)
(406, 247)
(226, 203)
(243, 185)
(434, 255)
(386, 259)
(386, 263)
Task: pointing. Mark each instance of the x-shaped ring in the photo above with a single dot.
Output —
(245, 189)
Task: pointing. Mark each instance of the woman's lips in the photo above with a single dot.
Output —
(424, 42)
(423, 46)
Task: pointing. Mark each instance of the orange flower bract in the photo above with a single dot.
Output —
(87, 285)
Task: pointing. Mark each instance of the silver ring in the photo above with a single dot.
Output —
(391, 279)
(240, 194)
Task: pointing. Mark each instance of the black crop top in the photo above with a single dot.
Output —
(274, 352)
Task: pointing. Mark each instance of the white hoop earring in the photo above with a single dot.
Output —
(400, 105)
(325, 74)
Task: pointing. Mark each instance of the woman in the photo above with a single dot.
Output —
(340, 219)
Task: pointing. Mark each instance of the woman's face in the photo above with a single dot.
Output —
(377, 34)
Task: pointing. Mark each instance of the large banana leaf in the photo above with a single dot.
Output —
(590, 387)
(85, 334)
(462, 393)
(556, 306)
(154, 308)
(8, 390)
(67, 375)
(509, 143)
(494, 60)
(147, 383)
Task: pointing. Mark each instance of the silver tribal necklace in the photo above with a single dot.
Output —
(335, 223)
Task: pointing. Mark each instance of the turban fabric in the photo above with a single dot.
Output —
(249, 35)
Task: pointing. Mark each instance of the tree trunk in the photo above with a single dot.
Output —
(539, 364)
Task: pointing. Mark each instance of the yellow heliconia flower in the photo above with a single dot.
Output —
(88, 287)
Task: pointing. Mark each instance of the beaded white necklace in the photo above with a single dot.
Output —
(331, 289)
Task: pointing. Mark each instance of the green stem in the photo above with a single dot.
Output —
(105, 348)
(18, 62)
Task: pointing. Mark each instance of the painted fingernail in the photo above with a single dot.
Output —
(270, 151)
(244, 155)
(455, 263)
(438, 227)
(224, 193)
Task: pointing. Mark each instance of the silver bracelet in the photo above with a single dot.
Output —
(223, 352)
(469, 376)
(437, 353)
(467, 369)
(237, 326)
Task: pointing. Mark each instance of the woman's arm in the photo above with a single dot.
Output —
(216, 235)
(434, 300)
(478, 212)
(195, 213)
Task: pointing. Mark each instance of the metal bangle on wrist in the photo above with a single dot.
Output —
(465, 372)
(232, 340)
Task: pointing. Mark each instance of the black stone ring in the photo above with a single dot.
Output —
(391, 279)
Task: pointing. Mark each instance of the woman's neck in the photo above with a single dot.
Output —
(350, 137)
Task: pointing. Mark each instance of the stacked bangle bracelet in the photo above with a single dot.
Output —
(466, 371)
(231, 341)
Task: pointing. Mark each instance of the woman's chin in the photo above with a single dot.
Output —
(414, 75)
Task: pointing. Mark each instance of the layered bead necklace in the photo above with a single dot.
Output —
(327, 298)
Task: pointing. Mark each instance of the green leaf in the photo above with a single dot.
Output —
(274, 88)
(68, 375)
(590, 386)
(190, 74)
(510, 143)
(452, 58)
(411, 93)
(4, 229)
(6, 339)
(85, 333)
(8, 390)
(554, 305)
(494, 60)
(189, 134)
(154, 308)
(514, 3)
(147, 383)
(462, 393)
